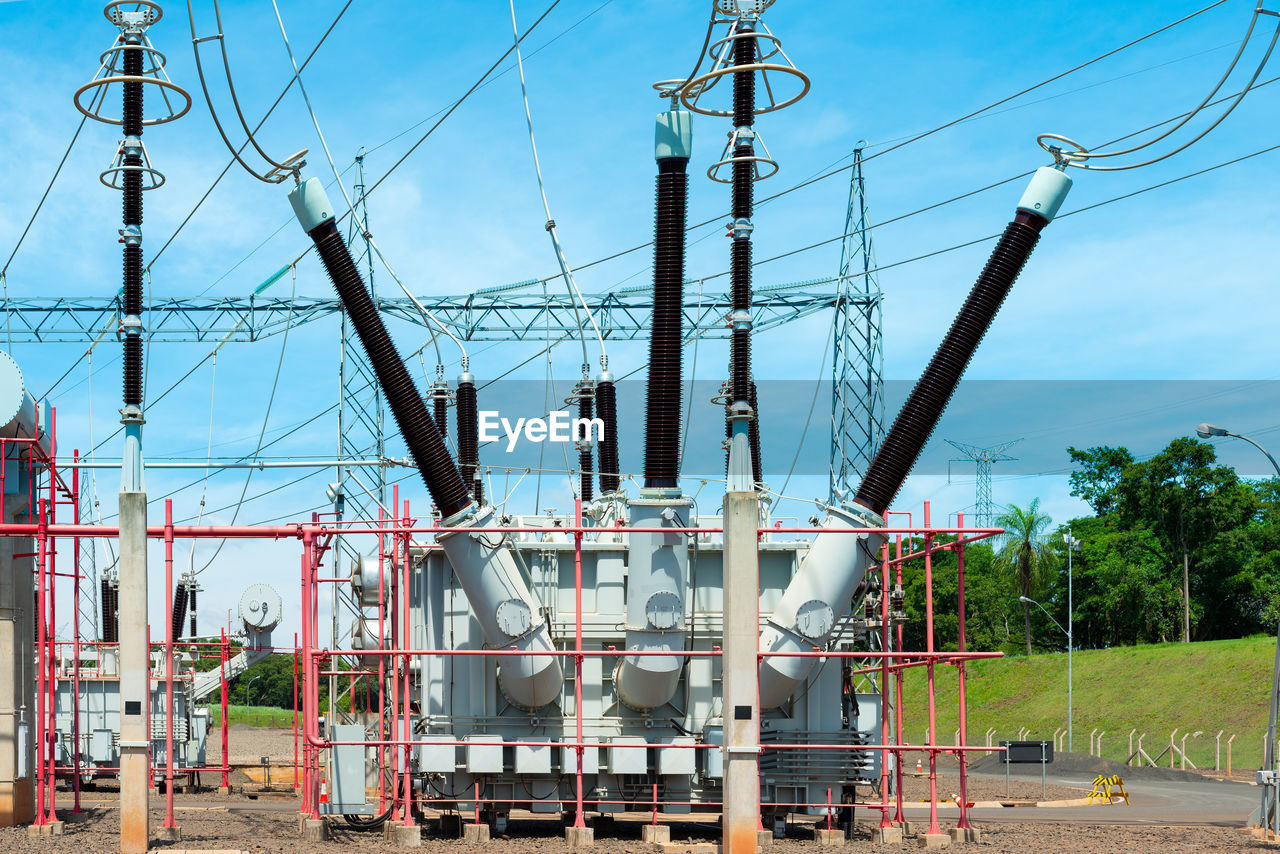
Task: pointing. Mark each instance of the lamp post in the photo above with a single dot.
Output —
(1071, 544)
(1267, 815)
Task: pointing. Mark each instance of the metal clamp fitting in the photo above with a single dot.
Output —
(740, 321)
(131, 235)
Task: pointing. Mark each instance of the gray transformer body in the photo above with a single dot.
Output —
(100, 724)
(459, 698)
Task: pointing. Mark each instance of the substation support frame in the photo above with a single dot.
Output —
(913, 550)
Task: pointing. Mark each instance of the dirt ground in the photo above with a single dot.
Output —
(271, 832)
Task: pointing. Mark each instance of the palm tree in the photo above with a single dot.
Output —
(1024, 554)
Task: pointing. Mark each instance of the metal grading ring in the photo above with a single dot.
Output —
(157, 178)
(156, 81)
(760, 174)
(1078, 153)
(157, 58)
(717, 50)
(668, 88)
(702, 83)
(114, 12)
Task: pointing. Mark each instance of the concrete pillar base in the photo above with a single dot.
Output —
(933, 840)
(908, 828)
(405, 837)
(315, 830)
(76, 817)
(887, 835)
(961, 835)
(764, 838)
(584, 837)
(475, 834)
(224, 790)
(53, 828)
(169, 834)
(655, 833)
(689, 848)
(829, 838)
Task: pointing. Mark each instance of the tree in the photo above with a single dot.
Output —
(1100, 471)
(1025, 555)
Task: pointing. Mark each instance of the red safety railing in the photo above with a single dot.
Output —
(393, 673)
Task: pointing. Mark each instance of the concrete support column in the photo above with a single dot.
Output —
(740, 667)
(135, 690)
(17, 679)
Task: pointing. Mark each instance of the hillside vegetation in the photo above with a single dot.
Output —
(1208, 686)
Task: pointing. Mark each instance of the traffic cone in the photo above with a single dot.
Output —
(324, 789)
(919, 766)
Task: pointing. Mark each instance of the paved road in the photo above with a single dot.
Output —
(1165, 803)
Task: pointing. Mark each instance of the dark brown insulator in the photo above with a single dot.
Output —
(753, 435)
(585, 464)
(179, 609)
(920, 414)
(666, 339)
(607, 403)
(420, 433)
(469, 439)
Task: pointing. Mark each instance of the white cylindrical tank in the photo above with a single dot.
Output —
(510, 615)
(819, 594)
(657, 577)
(17, 406)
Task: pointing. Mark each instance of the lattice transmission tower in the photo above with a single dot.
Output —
(857, 390)
(983, 458)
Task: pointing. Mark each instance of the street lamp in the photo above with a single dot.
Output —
(1205, 431)
(248, 695)
(1072, 545)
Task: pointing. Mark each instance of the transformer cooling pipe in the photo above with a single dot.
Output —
(469, 436)
(509, 613)
(832, 571)
(607, 408)
(658, 563)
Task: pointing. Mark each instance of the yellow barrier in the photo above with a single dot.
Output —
(1108, 789)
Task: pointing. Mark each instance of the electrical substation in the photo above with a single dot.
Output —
(463, 661)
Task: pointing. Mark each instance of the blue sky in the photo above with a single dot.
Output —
(1175, 284)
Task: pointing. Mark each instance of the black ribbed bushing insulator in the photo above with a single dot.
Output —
(469, 439)
(132, 114)
(744, 82)
(607, 406)
(192, 606)
(753, 435)
(666, 338)
(132, 186)
(585, 464)
(107, 595)
(920, 414)
(179, 609)
(440, 407)
(743, 188)
(425, 442)
(132, 370)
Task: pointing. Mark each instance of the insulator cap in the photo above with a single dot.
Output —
(673, 135)
(310, 204)
(1046, 192)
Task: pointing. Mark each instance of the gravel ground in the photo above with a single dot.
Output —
(249, 744)
(272, 832)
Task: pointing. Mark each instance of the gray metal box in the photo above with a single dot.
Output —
(590, 756)
(484, 759)
(628, 760)
(346, 777)
(100, 746)
(677, 760)
(713, 758)
(533, 758)
(438, 758)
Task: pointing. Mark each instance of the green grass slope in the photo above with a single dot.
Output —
(1207, 687)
